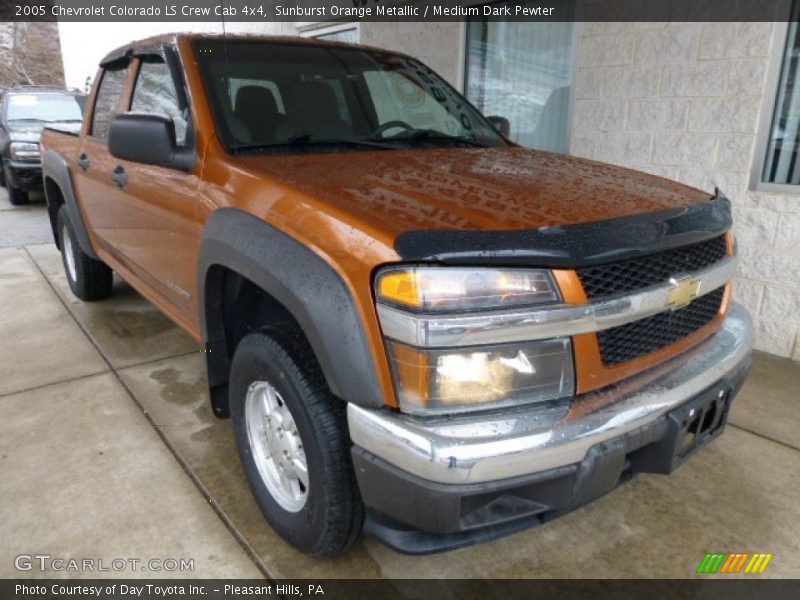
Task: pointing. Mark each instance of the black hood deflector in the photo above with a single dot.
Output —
(572, 246)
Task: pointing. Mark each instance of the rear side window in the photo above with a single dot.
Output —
(105, 107)
(155, 93)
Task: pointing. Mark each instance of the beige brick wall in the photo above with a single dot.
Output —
(438, 45)
(683, 100)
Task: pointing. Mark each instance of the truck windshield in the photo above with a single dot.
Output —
(45, 108)
(290, 97)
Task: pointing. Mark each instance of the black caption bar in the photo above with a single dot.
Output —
(370, 589)
(394, 10)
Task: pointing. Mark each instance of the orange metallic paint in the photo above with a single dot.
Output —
(350, 207)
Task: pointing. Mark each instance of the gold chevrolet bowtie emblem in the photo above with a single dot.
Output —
(685, 290)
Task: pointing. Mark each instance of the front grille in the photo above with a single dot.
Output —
(632, 340)
(639, 273)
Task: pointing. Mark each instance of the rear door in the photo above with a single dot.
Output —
(156, 226)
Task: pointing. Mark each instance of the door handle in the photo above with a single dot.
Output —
(119, 176)
(83, 162)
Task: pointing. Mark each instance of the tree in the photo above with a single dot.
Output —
(30, 54)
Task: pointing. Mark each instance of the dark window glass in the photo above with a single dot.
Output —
(155, 93)
(287, 97)
(105, 107)
(781, 164)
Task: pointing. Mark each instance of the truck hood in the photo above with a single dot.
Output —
(26, 133)
(472, 189)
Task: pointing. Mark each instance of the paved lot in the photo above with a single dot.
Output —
(108, 449)
(27, 224)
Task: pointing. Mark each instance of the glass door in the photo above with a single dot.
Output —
(523, 71)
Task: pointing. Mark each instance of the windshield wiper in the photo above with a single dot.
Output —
(27, 120)
(299, 141)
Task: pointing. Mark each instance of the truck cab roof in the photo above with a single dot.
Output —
(151, 44)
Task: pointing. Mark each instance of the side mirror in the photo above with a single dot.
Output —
(143, 138)
(501, 124)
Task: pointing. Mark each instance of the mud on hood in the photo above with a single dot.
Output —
(453, 204)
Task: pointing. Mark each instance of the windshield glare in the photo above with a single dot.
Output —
(282, 96)
(48, 108)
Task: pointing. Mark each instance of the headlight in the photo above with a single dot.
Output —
(438, 289)
(445, 380)
(24, 151)
(479, 377)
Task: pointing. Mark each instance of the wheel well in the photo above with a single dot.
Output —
(235, 306)
(55, 199)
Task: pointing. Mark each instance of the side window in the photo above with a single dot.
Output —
(155, 93)
(105, 105)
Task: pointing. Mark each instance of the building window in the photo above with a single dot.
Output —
(781, 157)
(524, 72)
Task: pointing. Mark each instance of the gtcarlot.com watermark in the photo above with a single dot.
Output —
(46, 562)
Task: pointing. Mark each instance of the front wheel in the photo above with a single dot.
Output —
(293, 444)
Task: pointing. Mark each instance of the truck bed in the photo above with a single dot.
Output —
(65, 143)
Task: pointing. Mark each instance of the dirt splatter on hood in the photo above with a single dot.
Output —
(480, 189)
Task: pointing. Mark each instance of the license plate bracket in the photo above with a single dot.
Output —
(697, 422)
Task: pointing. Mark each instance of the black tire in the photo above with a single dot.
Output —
(90, 279)
(2, 176)
(330, 520)
(16, 196)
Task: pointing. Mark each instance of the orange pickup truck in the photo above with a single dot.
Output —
(420, 330)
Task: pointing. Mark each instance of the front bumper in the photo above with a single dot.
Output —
(468, 478)
(26, 176)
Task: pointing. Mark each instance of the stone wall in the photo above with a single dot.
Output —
(30, 54)
(438, 45)
(683, 100)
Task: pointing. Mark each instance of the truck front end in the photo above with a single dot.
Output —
(525, 392)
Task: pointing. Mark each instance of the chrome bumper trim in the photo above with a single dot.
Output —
(478, 448)
(497, 327)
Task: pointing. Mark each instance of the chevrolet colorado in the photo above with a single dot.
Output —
(419, 329)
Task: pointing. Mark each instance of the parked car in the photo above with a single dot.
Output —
(418, 328)
(24, 111)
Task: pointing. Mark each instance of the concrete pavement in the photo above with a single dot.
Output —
(27, 224)
(108, 448)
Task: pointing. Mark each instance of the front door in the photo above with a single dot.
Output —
(156, 227)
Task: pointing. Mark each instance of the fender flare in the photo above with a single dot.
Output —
(55, 168)
(307, 287)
